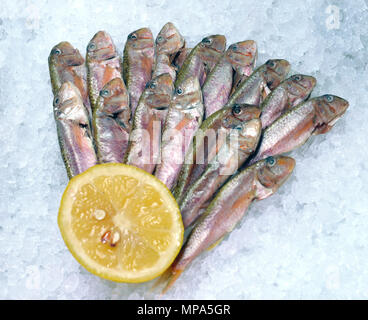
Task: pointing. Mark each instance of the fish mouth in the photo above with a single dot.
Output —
(161, 108)
(106, 53)
(73, 60)
(117, 100)
(188, 108)
(216, 50)
(307, 83)
(274, 78)
(168, 37)
(248, 53)
(157, 100)
(144, 37)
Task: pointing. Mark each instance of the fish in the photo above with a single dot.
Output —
(103, 64)
(261, 82)
(138, 63)
(227, 209)
(315, 116)
(201, 59)
(243, 71)
(168, 42)
(111, 125)
(183, 120)
(239, 57)
(240, 144)
(67, 64)
(180, 57)
(287, 95)
(149, 118)
(73, 130)
(208, 141)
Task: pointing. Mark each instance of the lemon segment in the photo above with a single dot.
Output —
(121, 223)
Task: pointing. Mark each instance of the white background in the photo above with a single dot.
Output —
(310, 240)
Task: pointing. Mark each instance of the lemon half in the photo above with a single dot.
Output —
(120, 223)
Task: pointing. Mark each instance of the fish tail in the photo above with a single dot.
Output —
(167, 279)
(171, 277)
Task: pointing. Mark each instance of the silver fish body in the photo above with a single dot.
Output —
(228, 208)
(239, 58)
(169, 41)
(137, 63)
(145, 140)
(208, 141)
(240, 143)
(287, 95)
(67, 64)
(261, 82)
(111, 122)
(183, 120)
(74, 131)
(201, 59)
(295, 127)
(103, 64)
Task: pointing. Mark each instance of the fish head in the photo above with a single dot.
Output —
(64, 54)
(243, 53)
(140, 39)
(115, 96)
(211, 48)
(188, 96)
(328, 109)
(215, 42)
(169, 40)
(276, 71)
(240, 113)
(68, 105)
(246, 135)
(272, 172)
(101, 47)
(158, 92)
(299, 87)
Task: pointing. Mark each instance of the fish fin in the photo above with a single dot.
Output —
(169, 277)
(215, 244)
(182, 124)
(162, 279)
(265, 92)
(322, 129)
(108, 74)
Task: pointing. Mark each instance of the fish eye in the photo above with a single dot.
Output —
(104, 93)
(329, 98)
(234, 47)
(56, 101)
(297, 77)
(179, 91)
(56, 51)
(132, 36)
(83, 125)
(91, 47)
(270, 161)
(236, 109)
(271, 63)
(207, 41)
(160, 39)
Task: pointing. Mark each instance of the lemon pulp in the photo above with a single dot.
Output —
(120, 223)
